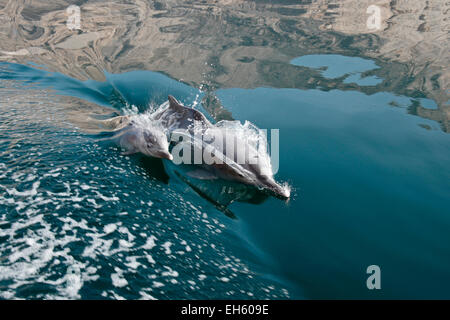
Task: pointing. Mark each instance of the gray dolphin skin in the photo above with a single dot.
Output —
(175, 116)
(135, 138)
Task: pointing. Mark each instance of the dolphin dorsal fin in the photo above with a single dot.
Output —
(174, 104)
(189, 114)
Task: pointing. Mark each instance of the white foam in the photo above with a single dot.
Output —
(132, 262)
(157, 284)
(86, 187)
(169, 272)
(118, 280)
(150, 259)
(26, 193)
(105, 198)
(109, 228)
(150, 244)
(167, 246)
(146, 296)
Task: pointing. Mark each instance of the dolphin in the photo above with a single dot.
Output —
(136, 137)
(177, 118)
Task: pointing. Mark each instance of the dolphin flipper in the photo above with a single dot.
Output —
(221, 207)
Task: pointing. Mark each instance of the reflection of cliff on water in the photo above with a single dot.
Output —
(235, 43)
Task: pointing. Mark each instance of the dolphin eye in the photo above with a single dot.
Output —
(150, 140)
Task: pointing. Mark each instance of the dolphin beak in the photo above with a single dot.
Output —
(164, 155)
(278, 190)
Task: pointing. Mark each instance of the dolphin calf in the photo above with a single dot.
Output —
(137, 137)
(177, 118)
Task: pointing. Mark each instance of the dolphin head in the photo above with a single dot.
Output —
(155, 144)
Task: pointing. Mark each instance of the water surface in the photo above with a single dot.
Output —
(363, 145)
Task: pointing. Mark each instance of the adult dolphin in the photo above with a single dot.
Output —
(179, 119)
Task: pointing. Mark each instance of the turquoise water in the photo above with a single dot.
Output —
(370, 185)
(334, 66)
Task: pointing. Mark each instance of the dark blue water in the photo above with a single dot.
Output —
(370, 186)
